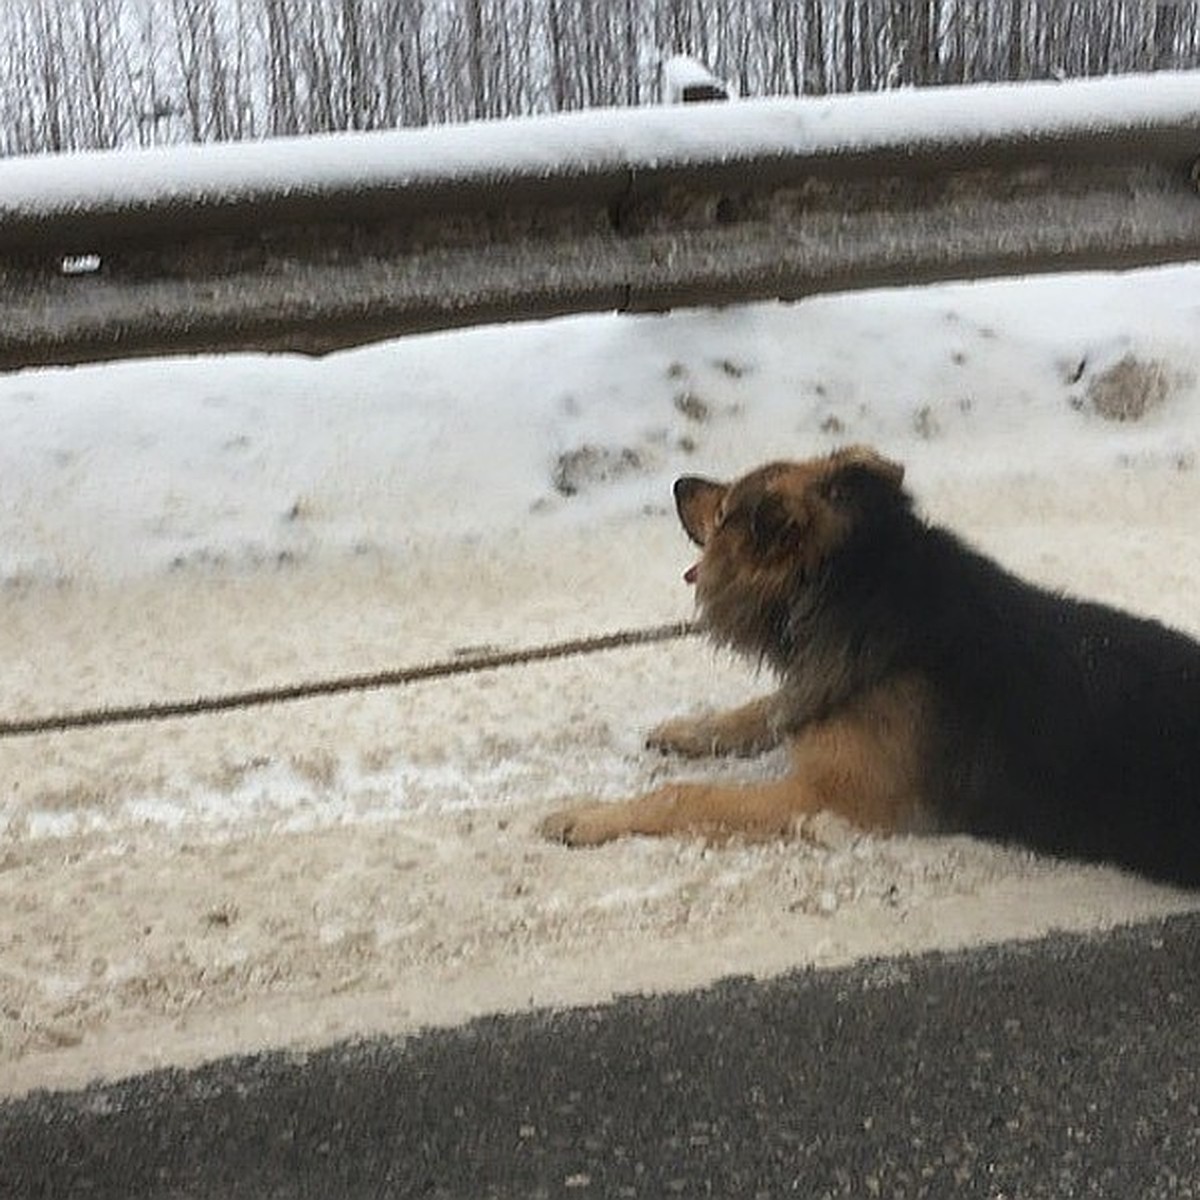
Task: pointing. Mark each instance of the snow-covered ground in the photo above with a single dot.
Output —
(370, 862)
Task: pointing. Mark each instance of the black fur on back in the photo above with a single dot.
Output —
(1069, 726)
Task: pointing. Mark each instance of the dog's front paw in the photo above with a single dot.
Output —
(691, 737)
(582, 825)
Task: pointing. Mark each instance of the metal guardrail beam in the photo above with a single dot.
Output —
(643, 210)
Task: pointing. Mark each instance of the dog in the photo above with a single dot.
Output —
(921, 686)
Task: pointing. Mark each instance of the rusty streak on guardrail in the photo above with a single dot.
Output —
(321, 270)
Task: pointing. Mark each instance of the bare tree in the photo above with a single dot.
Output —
(1166, 28)
(475, 51)
(280, 68)
(88, 73)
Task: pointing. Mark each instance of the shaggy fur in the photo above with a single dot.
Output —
(921, 684)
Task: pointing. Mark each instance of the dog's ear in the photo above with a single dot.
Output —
(698, 502)
(860, 474)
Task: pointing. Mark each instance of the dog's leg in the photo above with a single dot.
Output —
(864, 764)
(752, 729)
(712, 811)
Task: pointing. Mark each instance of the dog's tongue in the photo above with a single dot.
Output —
(689, 576)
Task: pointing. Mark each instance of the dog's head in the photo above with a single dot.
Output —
(765, 535)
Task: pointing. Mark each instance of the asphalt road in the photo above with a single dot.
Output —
(1067, 1067)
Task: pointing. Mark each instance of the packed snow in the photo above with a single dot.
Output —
(292, 874)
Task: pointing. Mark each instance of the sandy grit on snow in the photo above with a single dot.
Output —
(370, 863)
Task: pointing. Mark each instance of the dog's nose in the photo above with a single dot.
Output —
(686, 486)
(696, 501)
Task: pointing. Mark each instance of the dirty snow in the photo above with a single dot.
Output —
(370, 863)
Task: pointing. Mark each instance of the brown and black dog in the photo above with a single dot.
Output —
(921, 686)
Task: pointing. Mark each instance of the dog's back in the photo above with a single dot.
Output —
(1067, 725)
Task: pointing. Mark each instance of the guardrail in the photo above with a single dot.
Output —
(313, 245)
